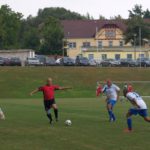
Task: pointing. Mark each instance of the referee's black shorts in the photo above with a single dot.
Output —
(48, 103)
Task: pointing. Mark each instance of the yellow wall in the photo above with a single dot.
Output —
(111, 55)
(73, 52)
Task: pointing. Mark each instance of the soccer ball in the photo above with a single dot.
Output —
(68, 123)
(2, 116)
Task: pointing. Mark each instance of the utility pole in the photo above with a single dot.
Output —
(140, 40)
(64, 46)
(97, 39)
(135, 46)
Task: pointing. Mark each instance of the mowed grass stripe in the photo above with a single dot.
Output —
(17, 82)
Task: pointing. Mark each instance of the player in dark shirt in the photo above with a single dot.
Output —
(49, 97)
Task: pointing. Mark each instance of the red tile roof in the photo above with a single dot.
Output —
(147, 20)
(87, 28)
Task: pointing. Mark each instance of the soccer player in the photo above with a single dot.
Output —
(49, 97)
(140, 106)
(112, 95)
(2, 116)
(98, 89)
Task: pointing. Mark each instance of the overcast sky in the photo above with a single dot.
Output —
(106, 8)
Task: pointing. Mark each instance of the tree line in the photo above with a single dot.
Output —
(44, 32)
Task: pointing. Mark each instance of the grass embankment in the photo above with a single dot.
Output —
(18, 82)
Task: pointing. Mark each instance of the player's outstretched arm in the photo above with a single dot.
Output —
(33, 92)
(65, 88)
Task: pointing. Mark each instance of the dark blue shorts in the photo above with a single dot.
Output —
(141, 112)
(111, 102)
(48, 104)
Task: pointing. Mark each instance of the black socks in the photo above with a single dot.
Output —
(56, 114)
(50, 117)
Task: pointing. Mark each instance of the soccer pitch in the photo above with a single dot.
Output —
(26, 127)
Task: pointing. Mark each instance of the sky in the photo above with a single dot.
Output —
(107, 8)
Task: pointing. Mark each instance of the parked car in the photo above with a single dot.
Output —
(73, 60)
(82, 61)
(66, 61)
(98, 61)
(143, 62)
(1, 61)
(33, 62)
(133, 63)
(58, 61)
(41, 58)
(128, 63)
(92, 62)
(6, 62)
(15, 61)
(50, 61)
(124, 62)
(110, 63)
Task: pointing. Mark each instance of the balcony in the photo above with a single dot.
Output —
(114, 48)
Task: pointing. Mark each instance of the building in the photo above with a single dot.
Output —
(100, 39)
(23, 54)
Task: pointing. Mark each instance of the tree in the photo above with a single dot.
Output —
(43, 33)
(136, 22)
(101, 17)
(118, 17)
(89, 17)
(52, 36)
(58, 13)
(137, 11)
(16, 32)
(10, 24)
(147, 14)
(31, 39)
(2, 32)
(30, 36)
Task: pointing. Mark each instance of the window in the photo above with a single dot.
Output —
(141, 55)
(110, 43)
(72, 45)
(129, 56)
(100, 44)
(86, 44)
(104, 56)
(110, 34)
(91, 56)
(117, 56)
(121, 44)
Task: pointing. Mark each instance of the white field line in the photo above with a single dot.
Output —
(124, 97)
(127, 81)
(141, 96)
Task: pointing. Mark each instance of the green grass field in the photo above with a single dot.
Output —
(26, 127)
(20, 81)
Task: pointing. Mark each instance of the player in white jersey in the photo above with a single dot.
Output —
(139, 106)
(112, 95)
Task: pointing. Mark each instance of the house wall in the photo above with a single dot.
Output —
(73, 52)
(101, 36)
(22, 54)
(111, 55)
